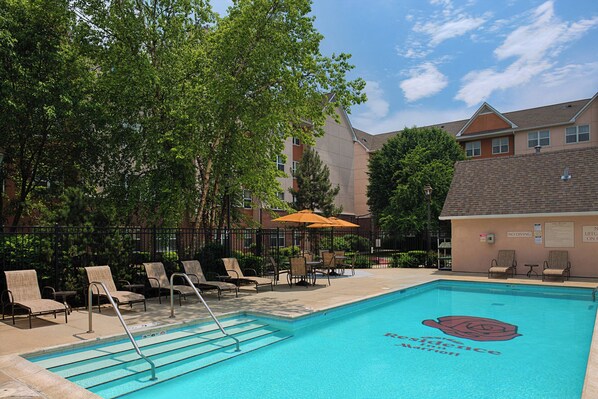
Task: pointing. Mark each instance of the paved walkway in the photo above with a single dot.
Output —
(22, 379)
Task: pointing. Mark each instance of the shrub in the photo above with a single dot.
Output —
(250, 261)
(357, 243)
(404, 260)
(209, 257)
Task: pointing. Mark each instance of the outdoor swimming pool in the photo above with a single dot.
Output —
(438, 340)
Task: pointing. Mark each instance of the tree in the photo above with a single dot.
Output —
(45, 85)
(399, 171)
(314, 190)
(196, 107)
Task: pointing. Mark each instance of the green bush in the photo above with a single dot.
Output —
(403, 260)
(357, 243)
(250, 261)
(362, 262)
(209, 257)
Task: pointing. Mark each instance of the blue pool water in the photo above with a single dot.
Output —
(535, 346)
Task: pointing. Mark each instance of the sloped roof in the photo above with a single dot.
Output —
(524, 185)
(526, 119)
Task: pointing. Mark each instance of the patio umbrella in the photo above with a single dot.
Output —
(302, 217)
(332, 223)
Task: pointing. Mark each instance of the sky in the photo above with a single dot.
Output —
(432, 61)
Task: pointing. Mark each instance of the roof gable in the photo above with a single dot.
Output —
(524, 185)
(486, 119)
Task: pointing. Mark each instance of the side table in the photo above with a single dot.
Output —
(64, 295)
(531, 269)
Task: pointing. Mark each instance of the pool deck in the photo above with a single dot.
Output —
(21, 379)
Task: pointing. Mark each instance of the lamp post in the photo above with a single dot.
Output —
(428, 191)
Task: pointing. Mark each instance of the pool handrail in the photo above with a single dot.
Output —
(186, 277)
(594, 291)
(122, 321)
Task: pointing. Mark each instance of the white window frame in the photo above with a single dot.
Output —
(247, 199)
(294, 167)
(247, 239)
(535, 138)
(576, 133)
(280, 243)
(280, 196)
(296, 141)
(499, 143)
(280, 162)
(471, 147)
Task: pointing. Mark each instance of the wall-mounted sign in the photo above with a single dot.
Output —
(483, 237)
(590, 234)
(519, 234)
(559, 235)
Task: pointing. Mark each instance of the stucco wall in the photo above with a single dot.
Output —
(557, 134)
(361, 179)
(471, 255)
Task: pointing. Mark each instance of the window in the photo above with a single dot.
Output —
(280, 196)
(247, 239)
(276, 241)
(500, 145)
(577, 134)
(280, 162)
(246, 199)
(296, 141)
(297, 238)
(541, 137)
(294, 167)
(473, 149)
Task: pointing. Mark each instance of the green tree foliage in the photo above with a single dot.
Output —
(314, 190)
(400, 170)
(44, 86)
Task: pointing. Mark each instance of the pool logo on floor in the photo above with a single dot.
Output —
(474, 328)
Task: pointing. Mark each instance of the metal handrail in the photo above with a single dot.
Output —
(186, 277)
(594, 291)
(122, 321)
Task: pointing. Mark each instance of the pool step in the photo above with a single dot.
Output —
(116, 370)
(137, 382)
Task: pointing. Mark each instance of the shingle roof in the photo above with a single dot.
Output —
(525, 119)
(524, 184)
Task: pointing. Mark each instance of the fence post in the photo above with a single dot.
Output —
(154, 242)
(55, 255)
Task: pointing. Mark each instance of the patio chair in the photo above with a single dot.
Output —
(158, 280)
(504, 264)
(236, 275)
(22, 291)
(102, 274)
(195, 273)
(326, 267)
(274, 270)
(348, 262)
(557, 265)
(298, 271)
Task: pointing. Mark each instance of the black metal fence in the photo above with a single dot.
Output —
(59, 253)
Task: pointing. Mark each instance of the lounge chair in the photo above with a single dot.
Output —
(236, 275)
(557, 265)
(297, 271)
(22, 290)
(102, 274)
(504, 264)
(195, 273)
(158, 280)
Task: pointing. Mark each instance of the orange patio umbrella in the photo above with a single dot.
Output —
(333, 222)
(304, 217)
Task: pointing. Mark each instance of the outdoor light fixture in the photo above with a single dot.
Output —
(566, 176)
(428, 191)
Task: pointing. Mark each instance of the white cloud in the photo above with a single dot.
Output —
(534, 46)
(455, 27)
(423, 116)
(426, 80)
(376, 106)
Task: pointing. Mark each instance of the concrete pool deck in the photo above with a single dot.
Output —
(22, 379)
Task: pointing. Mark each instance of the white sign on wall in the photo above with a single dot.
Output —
(559, 235)
(519, 234)
(590, 234)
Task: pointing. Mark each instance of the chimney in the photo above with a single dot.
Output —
(538, 148)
